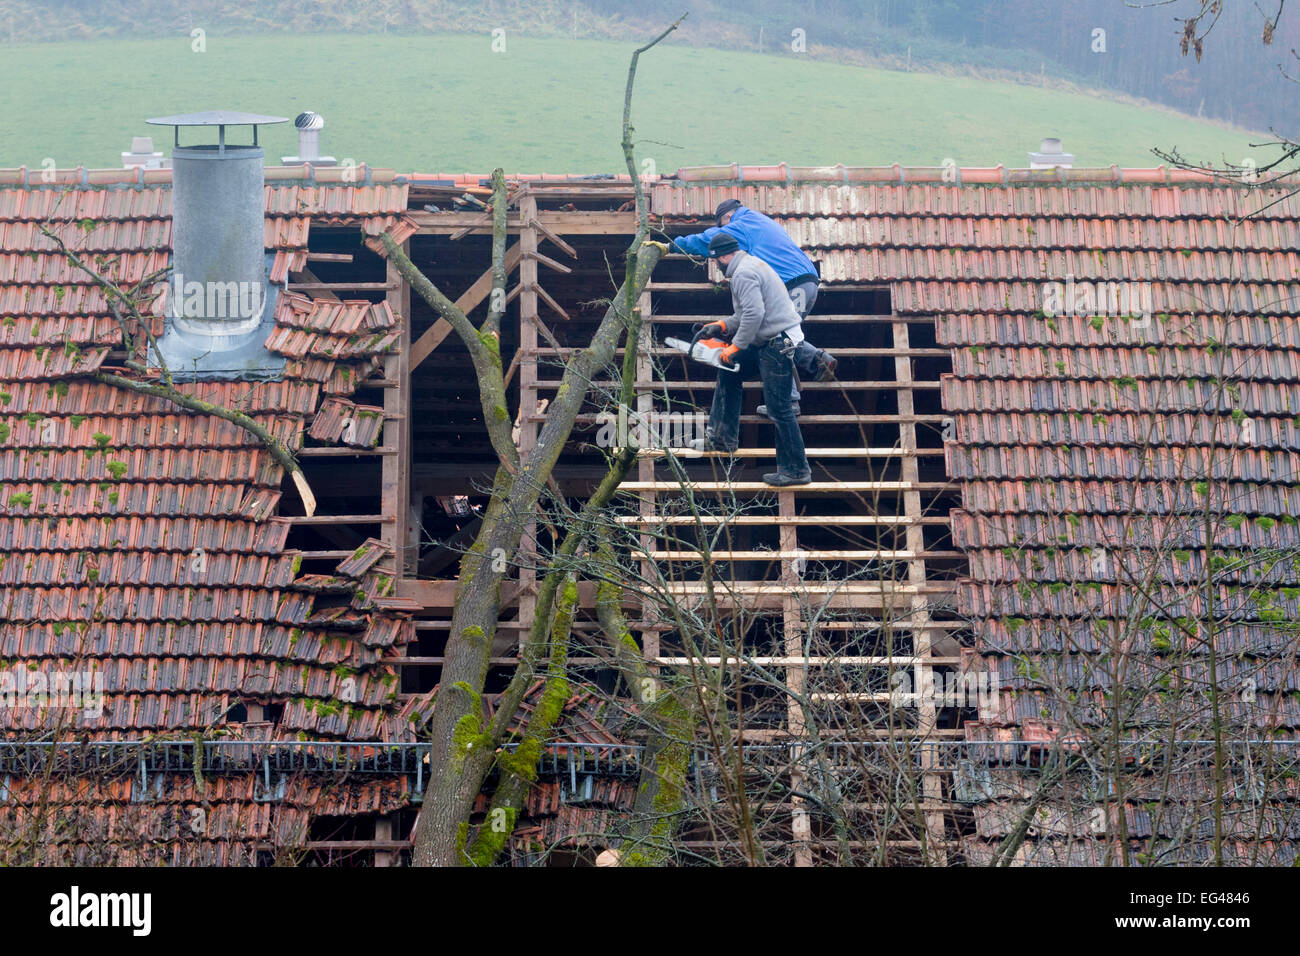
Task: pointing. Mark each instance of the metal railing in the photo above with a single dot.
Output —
(379, 757)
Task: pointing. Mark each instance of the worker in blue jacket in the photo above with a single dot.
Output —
(763, 237)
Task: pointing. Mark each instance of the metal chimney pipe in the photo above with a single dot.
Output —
(219, 297)
(217, 215)
(309, 126)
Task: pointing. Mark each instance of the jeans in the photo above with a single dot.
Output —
(777, 373)
(804, 296)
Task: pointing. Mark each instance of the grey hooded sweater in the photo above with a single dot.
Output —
(760, 299)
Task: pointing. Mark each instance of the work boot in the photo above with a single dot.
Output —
(762, 410)
(826, 366)
(780, 478)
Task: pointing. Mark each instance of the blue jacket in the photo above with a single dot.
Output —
(758, 235)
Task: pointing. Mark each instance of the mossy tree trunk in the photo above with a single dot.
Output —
(464, 749)
(668, 713)
(463, 752)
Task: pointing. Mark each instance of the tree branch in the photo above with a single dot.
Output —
(483, 344)
(119, 299)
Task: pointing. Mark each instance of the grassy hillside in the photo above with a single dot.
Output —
(448, 103)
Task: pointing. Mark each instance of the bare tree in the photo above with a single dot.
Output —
(464, 748)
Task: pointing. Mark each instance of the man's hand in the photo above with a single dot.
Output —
(713, 330)
(728, 354)
(663, 246)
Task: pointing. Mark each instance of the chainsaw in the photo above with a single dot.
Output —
(708, 351)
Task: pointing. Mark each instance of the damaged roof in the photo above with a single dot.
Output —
(1076, 431)
(143, 540)
(1125, 386)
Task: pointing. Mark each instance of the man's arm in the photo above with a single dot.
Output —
(698, 244)
(747, 298)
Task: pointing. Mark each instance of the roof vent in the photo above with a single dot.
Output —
(309, 126)
(1050, 155)
(142, 154)
(220, 305)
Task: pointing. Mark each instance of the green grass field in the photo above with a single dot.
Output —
(449, 104)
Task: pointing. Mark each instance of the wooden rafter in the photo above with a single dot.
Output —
(468, 301)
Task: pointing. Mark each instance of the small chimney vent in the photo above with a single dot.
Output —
(220, 305)
(142, 154)
(1050, 155)
(309, 126)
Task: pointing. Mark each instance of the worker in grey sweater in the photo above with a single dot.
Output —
(765, 329)
(762, 236)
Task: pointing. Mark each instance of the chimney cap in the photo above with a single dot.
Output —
(1051, 153)
(308, 120)
(217, 118)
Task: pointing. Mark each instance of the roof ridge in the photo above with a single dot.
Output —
(722, 174)
(43, 177)
(952, 175)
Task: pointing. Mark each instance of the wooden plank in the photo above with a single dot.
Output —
(771, 452)
(646, 503)
(838, 385)
(812, 488)
(549, 262)
(845, 352)
(682, 287)
(385, 827)
(798, 554)
(338, 519)
(341, 287)
(529, 319)
(868, 625)
(819, 521)
(931, 784)
(537, 224)
(856, 587)
(814, 318)
(797, 661)
(859, 594)
(484, 224)
(376, 845)
(805, 419)
(856, 733)
(310, 277)
(557, 222)
(343, 452)
(792, 640)
(439, 661)
(395, 477)
(468, 301)
(510, 371)
(546, 296)
(855, 805)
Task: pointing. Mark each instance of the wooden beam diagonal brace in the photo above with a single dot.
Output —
(546, 332)
(468, 301)
(535, 223)
(546, 297)
(549, 262)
